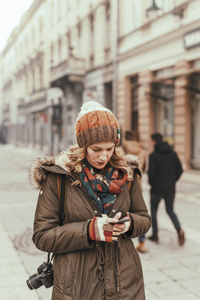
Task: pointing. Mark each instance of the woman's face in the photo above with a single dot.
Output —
(98, 155)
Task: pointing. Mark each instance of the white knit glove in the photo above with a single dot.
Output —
(100, 230)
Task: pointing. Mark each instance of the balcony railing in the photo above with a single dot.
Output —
(71, 66)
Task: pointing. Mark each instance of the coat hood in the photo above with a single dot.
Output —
(162, 148)
(59, 164)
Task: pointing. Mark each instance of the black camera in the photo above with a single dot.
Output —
(44, 276)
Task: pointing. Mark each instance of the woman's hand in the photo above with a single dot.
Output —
(107, 229)
(124, 227)
(102, 229)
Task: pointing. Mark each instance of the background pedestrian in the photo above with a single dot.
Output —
(164, 170)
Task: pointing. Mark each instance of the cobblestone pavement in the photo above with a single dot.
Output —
(170, 271)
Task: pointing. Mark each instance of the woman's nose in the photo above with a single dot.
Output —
(102, 156)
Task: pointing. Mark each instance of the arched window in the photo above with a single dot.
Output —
(108, 23)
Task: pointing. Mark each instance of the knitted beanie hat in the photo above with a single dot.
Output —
(96, 124)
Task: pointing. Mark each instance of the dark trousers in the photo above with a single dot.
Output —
(169, 204)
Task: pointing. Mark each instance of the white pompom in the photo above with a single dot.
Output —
(89, 107)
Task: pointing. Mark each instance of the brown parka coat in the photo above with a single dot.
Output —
(86, 270)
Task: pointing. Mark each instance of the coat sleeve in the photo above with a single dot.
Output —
(48, 234)
(152, 169)
(138, 212)
(179, 169)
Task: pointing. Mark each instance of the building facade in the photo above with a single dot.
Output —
(141, 63)
(158, 75)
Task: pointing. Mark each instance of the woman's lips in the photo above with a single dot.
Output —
(101, 163)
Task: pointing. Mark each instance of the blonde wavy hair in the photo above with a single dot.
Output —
(76, 156)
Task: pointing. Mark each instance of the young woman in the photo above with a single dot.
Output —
(94, 256)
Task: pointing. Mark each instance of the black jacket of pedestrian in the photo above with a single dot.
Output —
(164, 169)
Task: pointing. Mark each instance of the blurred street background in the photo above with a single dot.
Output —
(139, 58)
(170, 271)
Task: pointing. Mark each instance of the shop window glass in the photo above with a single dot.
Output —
(108, 94)
(163, 95)
(195, 129)
(134, 104)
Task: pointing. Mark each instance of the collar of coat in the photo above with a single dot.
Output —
(59, 165)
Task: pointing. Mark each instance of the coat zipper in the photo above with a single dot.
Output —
(94, 206)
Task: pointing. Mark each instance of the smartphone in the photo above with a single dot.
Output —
(121, 221)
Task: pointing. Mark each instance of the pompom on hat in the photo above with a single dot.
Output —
(96, 124)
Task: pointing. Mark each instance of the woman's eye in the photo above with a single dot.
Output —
(97, 150)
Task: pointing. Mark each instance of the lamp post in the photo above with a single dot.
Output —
(152, 7)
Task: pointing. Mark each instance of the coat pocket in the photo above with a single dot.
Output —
(136, 258)
(59, 266)
(70, 273)
(130, 266)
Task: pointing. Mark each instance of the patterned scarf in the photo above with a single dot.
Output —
(103, 185)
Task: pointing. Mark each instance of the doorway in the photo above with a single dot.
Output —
(134, 105)
(163, 95)
(108, 93)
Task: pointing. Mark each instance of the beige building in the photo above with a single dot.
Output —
(140, 60)
(23, 77)
(158, 74)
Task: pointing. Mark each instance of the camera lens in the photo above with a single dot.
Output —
(34, 282)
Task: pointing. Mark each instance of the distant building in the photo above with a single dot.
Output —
(142, 64)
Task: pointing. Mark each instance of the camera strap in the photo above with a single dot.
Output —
(61, 194)
(62, 188)
(48, 257)
(62, 198)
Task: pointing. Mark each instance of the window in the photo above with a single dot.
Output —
(69, 42)
(134, 104)
(107, 17)
(41, 76)
(132, 15)
(91, 20)
(79, 38)
(52, 54)
(33, 81)
(59, 9)
(60, 48)
(108, 94)
(52, 14)
(92, 31)
(165, 6)
(164, 110)
(33, 38)
(40, 30)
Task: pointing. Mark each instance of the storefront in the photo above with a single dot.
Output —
(38, 122)
(195, 126)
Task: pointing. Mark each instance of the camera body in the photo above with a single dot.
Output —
(44, 276)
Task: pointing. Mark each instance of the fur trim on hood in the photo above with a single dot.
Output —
(133, 160)
(37, 173)
(59, 164)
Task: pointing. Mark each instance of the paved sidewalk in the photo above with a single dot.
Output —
(18, 256)
(170, 271)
